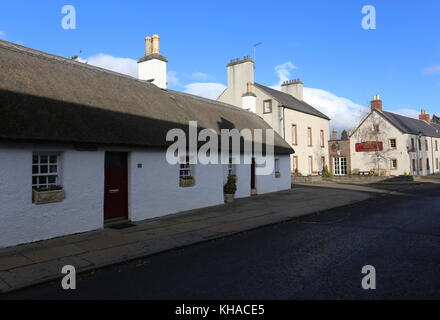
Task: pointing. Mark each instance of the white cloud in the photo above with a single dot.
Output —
(2, 35)
(344, 113)
(432, 69)
(129, 67)
(122, 65)
(201, 76)
(209, 90)
(407, 112)
(283, 71)
(172, 79)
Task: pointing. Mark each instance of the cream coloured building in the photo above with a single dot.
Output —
(392, 144)
(302, 126)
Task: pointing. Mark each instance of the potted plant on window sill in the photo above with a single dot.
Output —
(41, 195)
(186, 182)
(230, 188)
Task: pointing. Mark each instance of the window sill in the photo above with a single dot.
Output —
(186, 183)
(43, 197)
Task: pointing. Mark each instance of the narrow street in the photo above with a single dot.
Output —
(314, 257)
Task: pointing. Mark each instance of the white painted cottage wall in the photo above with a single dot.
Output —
(365, 161)
(154, 189)
(22, 221)
(269, 183)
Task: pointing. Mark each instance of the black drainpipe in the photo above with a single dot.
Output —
(284, 124)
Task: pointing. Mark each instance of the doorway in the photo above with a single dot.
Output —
(115, 186)
(253, 184)
(340, 166)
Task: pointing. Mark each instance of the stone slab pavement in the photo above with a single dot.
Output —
(38, 262)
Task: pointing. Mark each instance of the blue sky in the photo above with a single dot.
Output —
(341, 64)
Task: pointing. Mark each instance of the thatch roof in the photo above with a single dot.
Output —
(46, 98)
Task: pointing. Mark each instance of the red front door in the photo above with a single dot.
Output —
(115, 192)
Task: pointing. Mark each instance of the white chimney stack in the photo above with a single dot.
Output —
(294, 88)
(249, 99)
(240, 73)
(153, 67)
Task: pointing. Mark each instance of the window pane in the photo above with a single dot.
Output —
(43, 169)
(34, 169)
(53, 169)
(42, 180)
(52, 179)
(34, 180)
(53, 159)
(35, 158)
(44, 159)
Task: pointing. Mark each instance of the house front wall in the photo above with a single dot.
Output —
(366, 161)
(303, 152)
(271, 183)
(405, 152)
(274, 118)
(82, 210)
(153, 189)
(426, 156)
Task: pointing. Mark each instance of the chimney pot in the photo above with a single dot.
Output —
(376, 103)
(148, 46)
(155, 47)
(424, 116)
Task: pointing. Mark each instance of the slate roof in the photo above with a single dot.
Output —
(46, 98)
(291, 102)
(411, 125)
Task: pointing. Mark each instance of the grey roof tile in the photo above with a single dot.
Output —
(291, 102)
(411, 125)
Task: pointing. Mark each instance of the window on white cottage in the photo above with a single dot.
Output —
(186, 173)
(45, 170)
(186, 170)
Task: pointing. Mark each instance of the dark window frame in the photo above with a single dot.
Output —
(264, 106)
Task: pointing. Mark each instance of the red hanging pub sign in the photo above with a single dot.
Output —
(369, 146)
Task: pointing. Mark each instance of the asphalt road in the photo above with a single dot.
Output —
(314, 257)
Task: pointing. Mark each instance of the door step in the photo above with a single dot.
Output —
(122, 225)
(110, 222)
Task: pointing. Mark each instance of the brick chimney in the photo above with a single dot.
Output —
(153, 67)
(376, 103)
(294, 88)
(424, 116)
